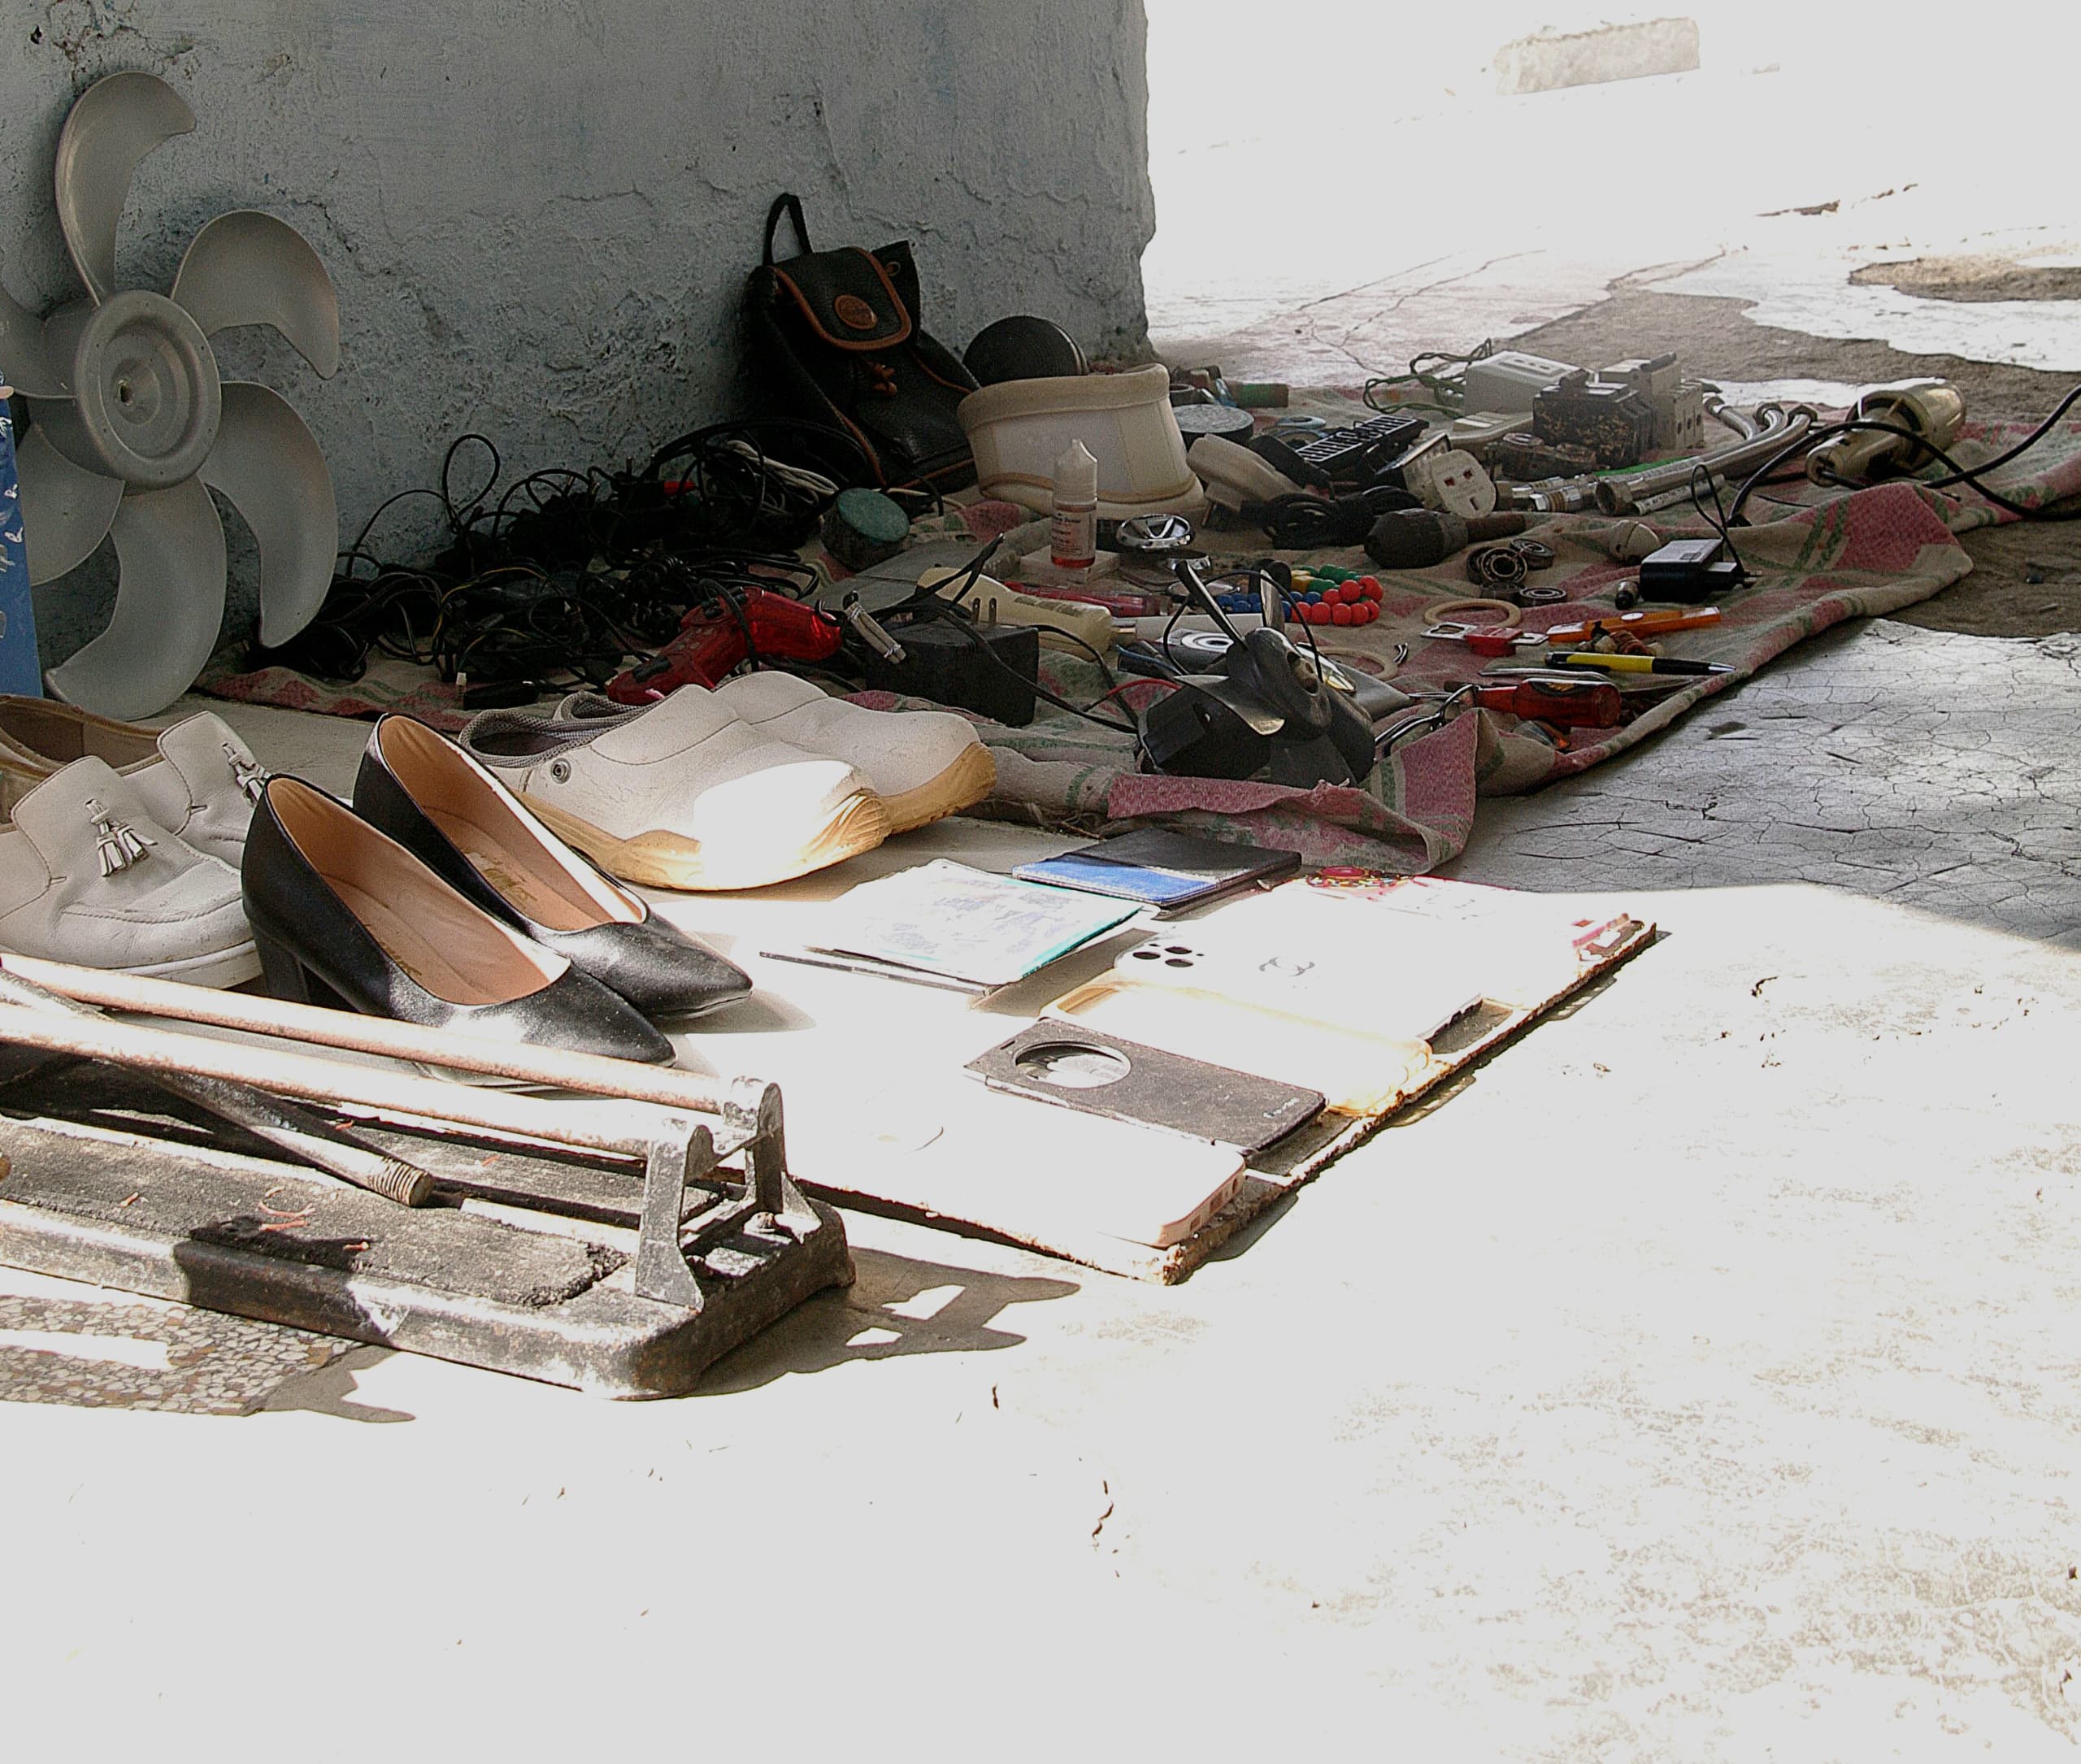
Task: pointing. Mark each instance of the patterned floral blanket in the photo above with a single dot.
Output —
(1816, 558)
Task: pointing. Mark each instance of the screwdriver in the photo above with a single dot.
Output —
(1567, 704)
(1561, 704)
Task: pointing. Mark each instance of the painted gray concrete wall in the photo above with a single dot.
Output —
(539, 213)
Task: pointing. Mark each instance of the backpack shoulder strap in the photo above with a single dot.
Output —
(789, 204)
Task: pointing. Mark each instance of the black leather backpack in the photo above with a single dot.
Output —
(835, 340)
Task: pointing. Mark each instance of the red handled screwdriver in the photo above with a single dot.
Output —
(1566, 704)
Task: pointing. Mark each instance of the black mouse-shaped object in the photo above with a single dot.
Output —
(1267, 713)
(1326, 738)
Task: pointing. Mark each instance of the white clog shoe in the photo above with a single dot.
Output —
(682, 795)
(198, 778)
(88, 876)
(923, 764)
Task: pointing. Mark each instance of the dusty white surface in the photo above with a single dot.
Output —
(1697, 1382)
(1338, 194)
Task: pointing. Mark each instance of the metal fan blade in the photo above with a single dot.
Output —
(65, 512)
(115, 123)
(246, 268)
(169, 605)
(268, 466)
(25, 362)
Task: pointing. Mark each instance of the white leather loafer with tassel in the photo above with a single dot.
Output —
(196, 778)
(87, 876)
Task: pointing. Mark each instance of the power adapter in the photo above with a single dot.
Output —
(1509, 379)
(947, 664)
(1689, 570)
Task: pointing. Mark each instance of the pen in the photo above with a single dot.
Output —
(1634, 664)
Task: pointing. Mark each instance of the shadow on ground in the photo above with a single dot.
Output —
(897, 1306)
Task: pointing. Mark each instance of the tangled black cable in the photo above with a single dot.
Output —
(727, 488)
(1972, 476)
(934, 602)
(1445, 390)
(1305, 523)
(2021, 448)
(1721, 519)
(566, 573)
(1271, 573)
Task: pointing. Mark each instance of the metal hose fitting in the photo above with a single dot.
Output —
(1642, 492)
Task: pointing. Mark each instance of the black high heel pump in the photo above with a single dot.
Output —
(345, 915)
(465, 826)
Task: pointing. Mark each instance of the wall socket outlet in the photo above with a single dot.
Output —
(1451, 480)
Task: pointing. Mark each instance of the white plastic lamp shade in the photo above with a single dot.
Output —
(1018, 429)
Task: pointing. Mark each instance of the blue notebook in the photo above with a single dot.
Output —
(20, 671)
(1156, 867)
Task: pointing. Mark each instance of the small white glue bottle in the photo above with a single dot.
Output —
(1073, 529)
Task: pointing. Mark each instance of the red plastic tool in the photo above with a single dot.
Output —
(1562, 703)
(714, 637)
(1485, 640)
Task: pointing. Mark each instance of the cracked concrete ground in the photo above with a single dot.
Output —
(1931, 769)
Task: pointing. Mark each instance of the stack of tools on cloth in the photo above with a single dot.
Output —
(760, 583)
(1263, 660)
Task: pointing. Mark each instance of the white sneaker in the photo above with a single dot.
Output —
(923, 764)
(88, 876)
(682, 795)
(197, 778)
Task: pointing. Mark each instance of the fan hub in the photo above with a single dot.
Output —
(149, 398)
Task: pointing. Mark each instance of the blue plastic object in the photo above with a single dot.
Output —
(21, 672)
